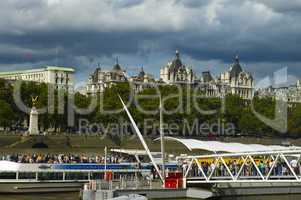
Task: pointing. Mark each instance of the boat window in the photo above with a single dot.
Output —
(125, 176)
(27, 175)
(76, 176)
(97, 175)
(50, 176)
(7, 175)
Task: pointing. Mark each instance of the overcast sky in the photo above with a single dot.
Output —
(208, 34)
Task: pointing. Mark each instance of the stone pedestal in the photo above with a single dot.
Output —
(33, 122)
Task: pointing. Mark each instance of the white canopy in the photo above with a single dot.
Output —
(215, 146)
(134, 152)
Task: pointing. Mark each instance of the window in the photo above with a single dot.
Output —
(27, 175)
(8, 175)
(97, 175)
(50, 176)
(76, 176)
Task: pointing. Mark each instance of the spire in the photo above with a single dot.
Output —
(177, 54)
(235, 68)
(237, 58)
(141, 73)
(116, 60)
(116, 66)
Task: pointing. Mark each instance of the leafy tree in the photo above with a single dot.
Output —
(294, 122)
(6, 114)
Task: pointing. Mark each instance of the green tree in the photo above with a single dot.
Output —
(6, 114)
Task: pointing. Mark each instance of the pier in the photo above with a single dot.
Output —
(101, 190)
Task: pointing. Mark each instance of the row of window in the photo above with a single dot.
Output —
(42, 176)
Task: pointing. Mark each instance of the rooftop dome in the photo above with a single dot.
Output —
(176, 63)
(206, 75)
(117, 67)
(235, 68)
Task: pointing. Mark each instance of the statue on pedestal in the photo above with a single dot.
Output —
(33, 119)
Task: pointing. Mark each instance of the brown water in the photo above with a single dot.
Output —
(50, 196)
(75, 196)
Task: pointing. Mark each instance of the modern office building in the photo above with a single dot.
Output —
(61, 77)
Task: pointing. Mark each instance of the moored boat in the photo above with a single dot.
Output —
(30, 178)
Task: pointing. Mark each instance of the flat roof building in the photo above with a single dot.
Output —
(61, 77)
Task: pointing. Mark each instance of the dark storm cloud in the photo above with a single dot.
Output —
(193, 3)
(283, 6)
(149, 31)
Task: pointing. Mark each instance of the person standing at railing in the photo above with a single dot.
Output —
(261, 167)
(284, 169)
(222, 167)
(212, 168)
(294, 164)
(236, 167)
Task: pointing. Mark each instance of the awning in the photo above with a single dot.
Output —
(216, 146)
(134, 152)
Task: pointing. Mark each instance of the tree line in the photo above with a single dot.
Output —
(178, 108)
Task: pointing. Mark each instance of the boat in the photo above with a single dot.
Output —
(130, 197)
(30, 178)
(41, 177)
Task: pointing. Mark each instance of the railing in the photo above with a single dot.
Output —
(276, 166)
(123, 184)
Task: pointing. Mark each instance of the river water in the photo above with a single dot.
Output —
(50, 196)
(75, 196)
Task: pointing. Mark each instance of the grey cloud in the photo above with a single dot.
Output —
(147, 32)
(282, 6)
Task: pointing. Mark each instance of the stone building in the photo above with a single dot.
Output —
(61, 77)
(208, 85)
(101, 79)
(176, 72)
(142, 81)
(290, 94)
(233, 81)
(236, 81)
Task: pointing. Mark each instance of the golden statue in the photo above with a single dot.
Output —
(34, 100)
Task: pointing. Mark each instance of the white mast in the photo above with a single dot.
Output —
(141, 139)
(106, 152)
(162, 141)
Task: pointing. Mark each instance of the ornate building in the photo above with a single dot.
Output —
(101, 79)
(237, 81)
(290, 94)
(142, 81)
(209, 85)
(176, 72)
(233, 81)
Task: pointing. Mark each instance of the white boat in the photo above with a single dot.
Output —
(130, 197)
(30, 178)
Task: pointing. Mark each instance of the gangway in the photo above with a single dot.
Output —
(249, 167)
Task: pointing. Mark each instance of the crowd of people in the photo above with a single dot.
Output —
(63, 158)
(218, 169)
